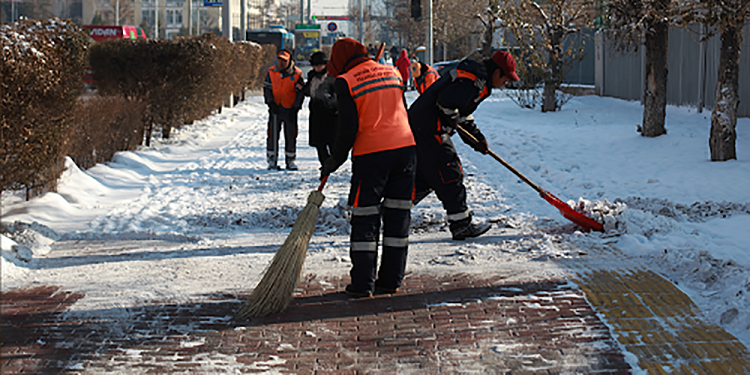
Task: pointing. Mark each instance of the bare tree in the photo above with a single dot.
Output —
(489, 17)
(727, 18)
(454, 24)
(632, 21)
(286, 9)
(410, 33)
(369, 29)
(540, 30)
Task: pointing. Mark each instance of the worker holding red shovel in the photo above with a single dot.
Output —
(434, 117)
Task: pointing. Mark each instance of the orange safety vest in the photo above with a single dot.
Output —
(464, 74)
(428, 78)
(377, 91)
(284, 93)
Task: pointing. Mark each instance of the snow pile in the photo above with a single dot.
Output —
(604, 212)
(22, 242)
(36, 237)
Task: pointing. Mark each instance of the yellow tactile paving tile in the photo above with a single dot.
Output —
(660, 325)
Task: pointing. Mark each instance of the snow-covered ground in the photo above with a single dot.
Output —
(199, 213)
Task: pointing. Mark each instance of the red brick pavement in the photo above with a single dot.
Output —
(438, 324)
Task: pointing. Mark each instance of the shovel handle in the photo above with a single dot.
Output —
(504, 163)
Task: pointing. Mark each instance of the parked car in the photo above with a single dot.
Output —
(444, 67)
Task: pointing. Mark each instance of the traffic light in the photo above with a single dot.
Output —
(416, 10)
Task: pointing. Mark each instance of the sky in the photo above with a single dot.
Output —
(199, 213)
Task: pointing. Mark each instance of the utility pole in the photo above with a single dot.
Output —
(361, 23)
(156, 19)
(428, 32)
(301, 12)
(190, 16)
(243, 19)
(226, 19)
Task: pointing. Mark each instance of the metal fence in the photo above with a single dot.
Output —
(692, 64)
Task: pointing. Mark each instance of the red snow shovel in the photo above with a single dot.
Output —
(568, 212)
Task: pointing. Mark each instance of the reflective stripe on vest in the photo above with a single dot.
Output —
(377, 91)
(427, 79)
(284, 93)
(480, 84)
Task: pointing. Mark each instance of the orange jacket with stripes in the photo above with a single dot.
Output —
(284, 93)
(426, 79)
(377, 91)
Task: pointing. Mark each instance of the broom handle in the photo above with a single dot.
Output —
(504, 163)
(380, 51)
(322, 183)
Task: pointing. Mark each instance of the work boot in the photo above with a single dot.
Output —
(290, 165)
(383, 289)
(271, 160)
(356, 293)
(464, 229)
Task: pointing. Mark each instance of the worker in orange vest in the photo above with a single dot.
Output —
(434, 116)
(423, 75)
(283, 95)
(374, 125)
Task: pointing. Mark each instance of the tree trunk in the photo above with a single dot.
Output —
(166, 131)
(552, 79)
(724, 116)
(489, 33)
(655, 95)
(149, 131)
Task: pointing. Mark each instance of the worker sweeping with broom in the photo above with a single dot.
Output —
(374, 125)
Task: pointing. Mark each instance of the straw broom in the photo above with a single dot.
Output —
(275, 290)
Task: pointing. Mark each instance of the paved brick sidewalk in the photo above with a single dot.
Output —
(440, 324)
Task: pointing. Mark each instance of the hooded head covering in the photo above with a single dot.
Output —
(346, 54)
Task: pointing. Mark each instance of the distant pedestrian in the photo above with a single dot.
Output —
(393, 54)
(374, 125)
(402, 64)
(323, 108)
(434, 117)
(283, 95)
(424, 75)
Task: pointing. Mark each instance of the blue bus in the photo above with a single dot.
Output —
(276, 35)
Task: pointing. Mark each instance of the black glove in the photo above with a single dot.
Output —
(329, 166)
(476, 140)
(273, 107)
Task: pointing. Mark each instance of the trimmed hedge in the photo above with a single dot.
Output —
(180, 80)
(40, 82)
(141, 83)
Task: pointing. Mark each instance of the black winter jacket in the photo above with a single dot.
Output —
(323, 108)
(451, 99)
